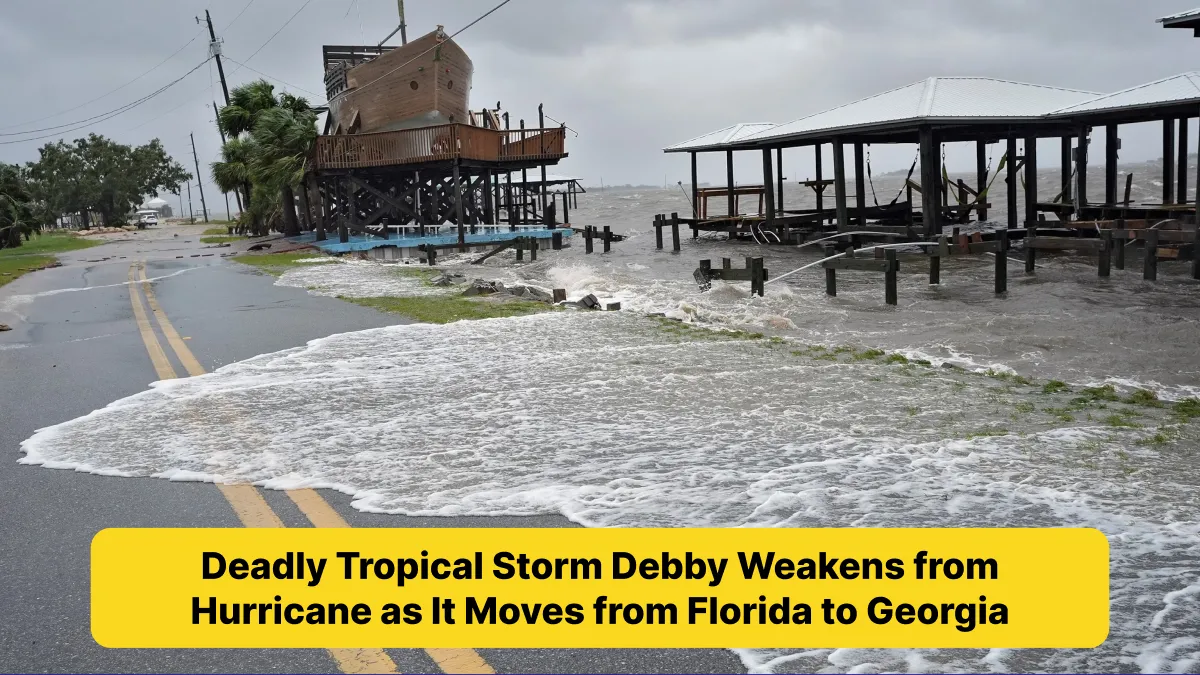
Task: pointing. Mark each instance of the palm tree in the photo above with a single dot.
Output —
(16, 213)
(269, 138)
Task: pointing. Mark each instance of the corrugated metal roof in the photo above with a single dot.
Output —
(1180, 16)
(932, 99)
(720, 137)
(1175, 89)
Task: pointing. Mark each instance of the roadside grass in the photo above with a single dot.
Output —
(37, 253)
(221, 239)
(276, 264)
(218, 231)
(447, 309)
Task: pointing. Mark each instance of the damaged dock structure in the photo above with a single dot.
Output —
(406, 167)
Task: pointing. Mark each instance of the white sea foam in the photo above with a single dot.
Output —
(607, 420)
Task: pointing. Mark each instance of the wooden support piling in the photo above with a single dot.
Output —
(431, 256)
(1002, 262)
(839, 184)
(819, 177)
(520, 252)
(675, 232)
(1067, 163)
(1030, 247)
(1031, 179)
(1013, 183)
(830, 273)
(890, 276)
(695, 191)
(981, 177)
(1150, 271)
(560, 295)
(930, 180)
(587, 238)
(1128, 189)
(1081, 162)
(533, 248)
(860, 185)
(768, 185)
(729, 183)
(607, 239)
(1196, 249)
(1168, 160)
(757, 280)
(1111, 145)
(556, 241)
(1120, 245)
(1181, 190)
(658, 226)
(1105, 262)
(779, 180)
(935, 262)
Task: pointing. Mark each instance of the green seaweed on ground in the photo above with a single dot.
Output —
(868, 354)
(1163, 436)
(1187, 409)
(1062, 414)
(896, 358)
(1024, 407)
(1055, 387)
(1122, 422)
(1105, 392)
(1144, 397)
(987, 432)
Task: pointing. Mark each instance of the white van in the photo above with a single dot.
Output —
(147, 218)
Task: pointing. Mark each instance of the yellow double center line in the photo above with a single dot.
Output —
(249, 504)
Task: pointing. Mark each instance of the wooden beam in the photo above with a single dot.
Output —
(695, 190)
(729, 181)
(1168, 161)
(1081, 159)
(1031, 179)
(1067, 164)
(931, 210)
(1013, 184)
(820, 193)
(1181, 190)
(981, 175)
(768, 185)
(839, 183)
(1111, 144)
(779, 179)
(860, 184)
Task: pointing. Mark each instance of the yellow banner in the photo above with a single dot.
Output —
(743, 587)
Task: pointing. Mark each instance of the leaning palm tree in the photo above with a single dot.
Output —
(16, 214)
(232, 174)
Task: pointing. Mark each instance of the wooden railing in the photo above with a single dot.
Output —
(530, 144)
(437, 143)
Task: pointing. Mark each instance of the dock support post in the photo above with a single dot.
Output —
(1081, 161)
(556, 241)
(566, 210)
(533, 248)
(755, 265)
(587, 238)
(1111, 144)
(1196, 250)
(658, 226)
(695, 191)
(520, 250)
(768, 185)
(830, 273)
(1067, 163)
(729, 181)
(458, 208)
(1002, 262)
(1013, 182)
(1120, 245)
(675, 231)
(1169, 161)
(981, 178)
(345, 211)
(560, 295)
(1181, 191)
(607, 239)
(431, 256)
(935, 262)
(839, 184)
(489, 208)
(820, 176)
(931, 178)
(1106, 244)
(1151, 257)
(1031, 179)
(779, 179)
(889, 276)
(1030, 249)
(860, 185)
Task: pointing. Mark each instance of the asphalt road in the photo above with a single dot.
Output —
(75, 347)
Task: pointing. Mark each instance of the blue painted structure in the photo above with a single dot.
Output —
(362, 243)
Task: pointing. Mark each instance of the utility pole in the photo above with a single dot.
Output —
(403, 26)
(191, 213)
(199, 183)
(214, 50)
(237, 195)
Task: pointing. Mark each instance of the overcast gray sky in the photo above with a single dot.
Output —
(631, 76)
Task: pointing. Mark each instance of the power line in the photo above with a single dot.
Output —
(239, 15)
(456, 34)
(273, 35)
(111, 114)
(270, 77)
(58, 114)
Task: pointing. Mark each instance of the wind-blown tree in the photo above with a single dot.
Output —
(17, 218)
(269, 139)
(101, 175)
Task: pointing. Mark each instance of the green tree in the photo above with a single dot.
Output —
(269, 139)
(17, 218)
(97, 174)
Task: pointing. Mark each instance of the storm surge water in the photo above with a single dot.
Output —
(1060, 405)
